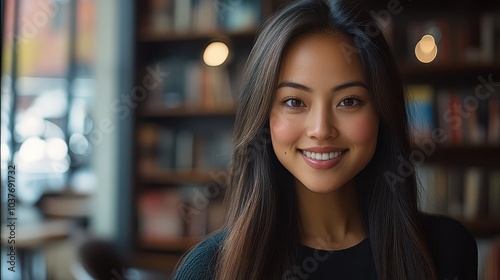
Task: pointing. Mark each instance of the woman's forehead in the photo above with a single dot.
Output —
(318, 56)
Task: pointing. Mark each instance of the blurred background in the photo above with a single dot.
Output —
(117, 118)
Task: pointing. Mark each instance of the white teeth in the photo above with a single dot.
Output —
(321, 156)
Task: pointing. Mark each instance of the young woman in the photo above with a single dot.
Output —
(317, 189)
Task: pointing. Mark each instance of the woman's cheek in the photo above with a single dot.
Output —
(363, 129)
(284, 131)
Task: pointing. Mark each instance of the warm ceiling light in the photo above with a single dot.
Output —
(215, 54)
(427, 44)
(426, 49)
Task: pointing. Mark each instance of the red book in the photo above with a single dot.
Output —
(493, 130)
(456, 119)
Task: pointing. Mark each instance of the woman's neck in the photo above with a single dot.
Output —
(330, 221)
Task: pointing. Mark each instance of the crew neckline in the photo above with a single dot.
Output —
(358, 245)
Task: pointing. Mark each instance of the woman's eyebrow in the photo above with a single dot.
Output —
(309, 90)
(295, 86)
(350, 84)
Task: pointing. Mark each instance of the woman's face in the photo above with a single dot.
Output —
(323, 123)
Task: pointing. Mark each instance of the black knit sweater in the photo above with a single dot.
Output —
(454, 250)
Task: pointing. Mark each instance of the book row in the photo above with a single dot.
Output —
(466, 194)
(189, 83)
(464, 116)
(169, 148)
(182, 16)
(488, 258)
(185, 211)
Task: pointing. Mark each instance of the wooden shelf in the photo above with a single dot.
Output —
(416, 67)
(484, 156)
(180, 176)
(456, 72)
(185, 111)
(483, 227)
(449, 6)
(171, 37)
(155, 261)
(179, 244)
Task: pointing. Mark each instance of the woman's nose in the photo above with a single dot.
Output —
(321, 125)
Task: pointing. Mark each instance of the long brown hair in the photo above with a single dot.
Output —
(261, 229)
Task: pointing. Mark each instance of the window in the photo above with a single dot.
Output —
(47, 94)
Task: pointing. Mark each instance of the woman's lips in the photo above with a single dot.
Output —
(323, 160)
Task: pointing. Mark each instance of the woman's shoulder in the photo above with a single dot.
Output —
(200, 262)
(453, 246)
(444, 229)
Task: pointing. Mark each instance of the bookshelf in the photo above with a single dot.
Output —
(460, 175)
(183, 129)
(182, 138)
(457, 96)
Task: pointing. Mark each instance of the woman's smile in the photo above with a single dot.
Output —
(322, 153)
(322, 160)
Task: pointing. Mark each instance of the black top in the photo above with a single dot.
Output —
(355, 262)
(453, 247)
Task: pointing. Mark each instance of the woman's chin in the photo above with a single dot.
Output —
(320, 188)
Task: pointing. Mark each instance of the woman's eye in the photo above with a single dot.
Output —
(294, 102)
(349, 102)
